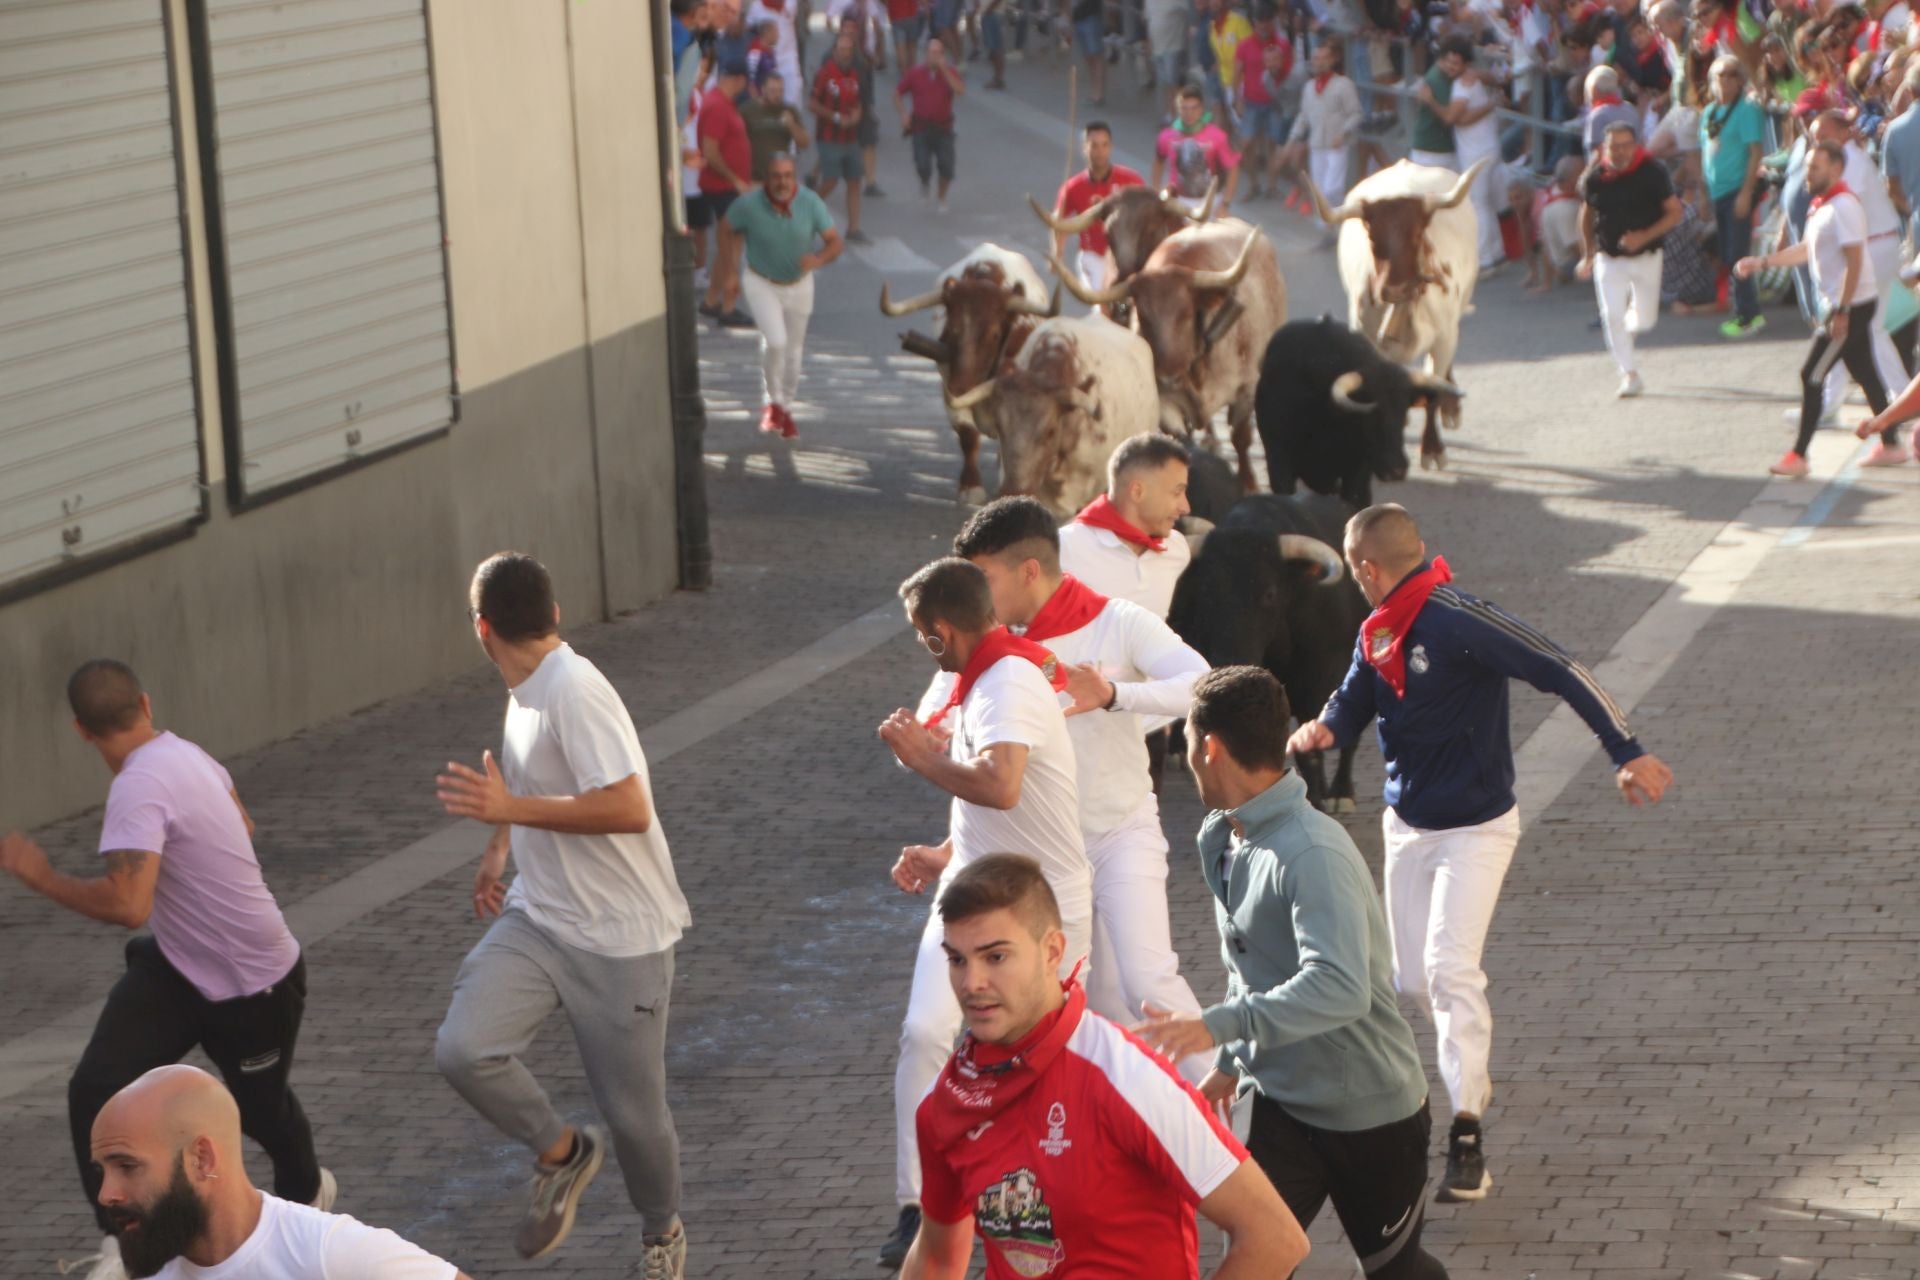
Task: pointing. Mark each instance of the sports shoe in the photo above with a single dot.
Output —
(893, 1254)
(736, 319)
(873, 191)
(942, 206)
(1829, 417)
(1467, 1177)
(1791, 465)
(328, 1193)
(666, 1257)
(789, 429)
(770, 420)
(1738, 328)
(1885, 455)
(102, 1265)
(1630, 386)
(857, 236)
(556, 1194)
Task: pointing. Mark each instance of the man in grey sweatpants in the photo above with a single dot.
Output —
(588, 926)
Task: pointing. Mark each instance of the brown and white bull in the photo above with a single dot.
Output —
(1079, 386)
(1409, 258)
(992, 300)
(1207, 301)
(1136, 220)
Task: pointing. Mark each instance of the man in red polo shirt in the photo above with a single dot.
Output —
(1100, 179)
(726, 174)
(1072, 1146)
(838, 114)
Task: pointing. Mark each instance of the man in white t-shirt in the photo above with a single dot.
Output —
(1123, 544)
(990, 733)
(176, 1190)
(589, 925)
(1123, 664)
(1884, 235)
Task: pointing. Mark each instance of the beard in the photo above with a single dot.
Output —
(155, 1234)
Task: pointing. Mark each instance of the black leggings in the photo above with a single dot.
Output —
(1377, 1179)
(154, 1017)
(1857, 353)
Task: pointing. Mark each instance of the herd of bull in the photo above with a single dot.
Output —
(1193, 320)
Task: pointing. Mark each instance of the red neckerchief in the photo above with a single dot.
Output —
(1836, 190)
(1723, 31)
(1100, 514)
(1072, 606)
(981, 1081)
(1608, 173)
(1320, 83)
(997, 644)
(756, 46)
(1385, 629)
(1555, 195)
(1607, 100)
(784, 210)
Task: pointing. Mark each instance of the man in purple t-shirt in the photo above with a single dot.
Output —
(220, 970)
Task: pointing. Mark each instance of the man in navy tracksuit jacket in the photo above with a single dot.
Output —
(1431, 668)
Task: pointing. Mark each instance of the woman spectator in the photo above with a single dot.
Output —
(1689, 275)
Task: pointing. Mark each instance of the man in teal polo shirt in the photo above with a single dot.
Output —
(1430, 137)
(1309, 1021)
(779, 222)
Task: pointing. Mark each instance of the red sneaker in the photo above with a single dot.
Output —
(770, 420)
(789, 429)
(1791, 465)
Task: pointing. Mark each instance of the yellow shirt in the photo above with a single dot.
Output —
(1225, 38)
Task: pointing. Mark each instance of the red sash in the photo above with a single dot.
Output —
(1072, 606)
(1100, 514)
(1606, 100)
(997, 644)
(1832, 193)
(1385, 629)
(1608, 173)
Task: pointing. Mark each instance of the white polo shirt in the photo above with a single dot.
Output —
(298, 1242)
(1012, 702)
(1107, 563)
(1830, 228)
(1153, 671)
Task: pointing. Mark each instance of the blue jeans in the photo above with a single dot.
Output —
(1089, 35)
(1736, 242)
(993, 32)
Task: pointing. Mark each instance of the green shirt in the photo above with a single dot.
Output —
(1430, 132)
(767, 132)
(1725, 134)
(776, 242)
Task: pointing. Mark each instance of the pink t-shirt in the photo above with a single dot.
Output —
(213, 916)
(1193, 158)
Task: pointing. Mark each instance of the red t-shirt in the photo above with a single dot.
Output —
(1095, 1170)
(930, 95)
(839, 88)
(1252, 54)
(720, 120)
(1081, 193)
(902, 10)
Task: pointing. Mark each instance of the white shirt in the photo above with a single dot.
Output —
(1863, 178)
(786, 54)
(1830, 228)
(567, 732)
(873, 31)
(1482, 137)
(298, 1242)
(1153, 671)
(1105, 562)
(1012, 702)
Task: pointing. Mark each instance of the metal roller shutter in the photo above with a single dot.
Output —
(99, 420)
(329, 233)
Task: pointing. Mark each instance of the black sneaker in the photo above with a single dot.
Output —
(1467, 1177)
(893, 1254)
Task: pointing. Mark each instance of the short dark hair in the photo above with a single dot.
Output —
(1246, 710)
(1098, 126)
(1621, 126)
(1338, 50)
(1148, 450)
(1456, 44)
(513, 592)
(1832, 151)
(1016, 526)
(105, 696)
(1190, 91)
(952, 591)
(1002, 882)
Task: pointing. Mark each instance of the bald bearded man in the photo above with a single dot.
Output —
(168, 1148)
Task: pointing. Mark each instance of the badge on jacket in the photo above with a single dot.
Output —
(1417, 660)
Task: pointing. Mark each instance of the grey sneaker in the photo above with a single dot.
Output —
(667, 1259)
(556, 1195)
(329, 1192)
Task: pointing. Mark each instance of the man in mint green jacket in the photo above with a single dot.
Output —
(1309, 1019)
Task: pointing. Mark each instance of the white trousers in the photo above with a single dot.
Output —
(1134, 962)
(1095, 268)
(1329, 166)
(926, 1037)
(1442, 887)
(1629, 294)
(1486, 206)
(1436, 159)
(781, 311)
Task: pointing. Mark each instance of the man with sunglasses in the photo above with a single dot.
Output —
(990, 733)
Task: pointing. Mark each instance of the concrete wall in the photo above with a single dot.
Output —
(353, 591)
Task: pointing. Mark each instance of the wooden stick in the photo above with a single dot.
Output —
(1073, 103)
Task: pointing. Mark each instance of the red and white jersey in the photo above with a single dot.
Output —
(1092, 1173)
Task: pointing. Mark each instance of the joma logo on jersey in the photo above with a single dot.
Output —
(1056, 1142)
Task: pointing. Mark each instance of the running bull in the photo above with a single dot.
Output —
(1136, 220)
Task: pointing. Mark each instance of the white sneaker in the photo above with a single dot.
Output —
(1630, 386)
(667, 1259)
(329, 1192)
(104, 1265)
(943, 206)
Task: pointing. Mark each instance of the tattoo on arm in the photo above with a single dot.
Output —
(126, 862)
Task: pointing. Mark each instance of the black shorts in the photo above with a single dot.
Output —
(718, 202)
(699, 212)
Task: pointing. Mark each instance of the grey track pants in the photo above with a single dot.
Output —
(507, 986)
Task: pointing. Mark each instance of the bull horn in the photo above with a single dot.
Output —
(1341, 392)
(891, 308)
(1078, 288)
(968, 399)
(1231, 276)
(1053, 303)
(1206, 204)
(1386, 321)
(1298, 546)
(1069, 226)
(1433, 386)
(1460, 188)
(1331, 216)
(1020, 304)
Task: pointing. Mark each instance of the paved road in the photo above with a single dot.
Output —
(1707, 1057)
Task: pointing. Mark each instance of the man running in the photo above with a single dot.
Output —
(1193, 153)
(1431, 668)
(1100, 179)
(220, 969)
(175, 1186)
(1057, 1135)
(788, 235)
(1309, 1025)
(1123, 543)
(588, 926)
(1123, 663)
(989, 733)
(1322, 136)
(1629, 209)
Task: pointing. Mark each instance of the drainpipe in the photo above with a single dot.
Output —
(683, 347)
